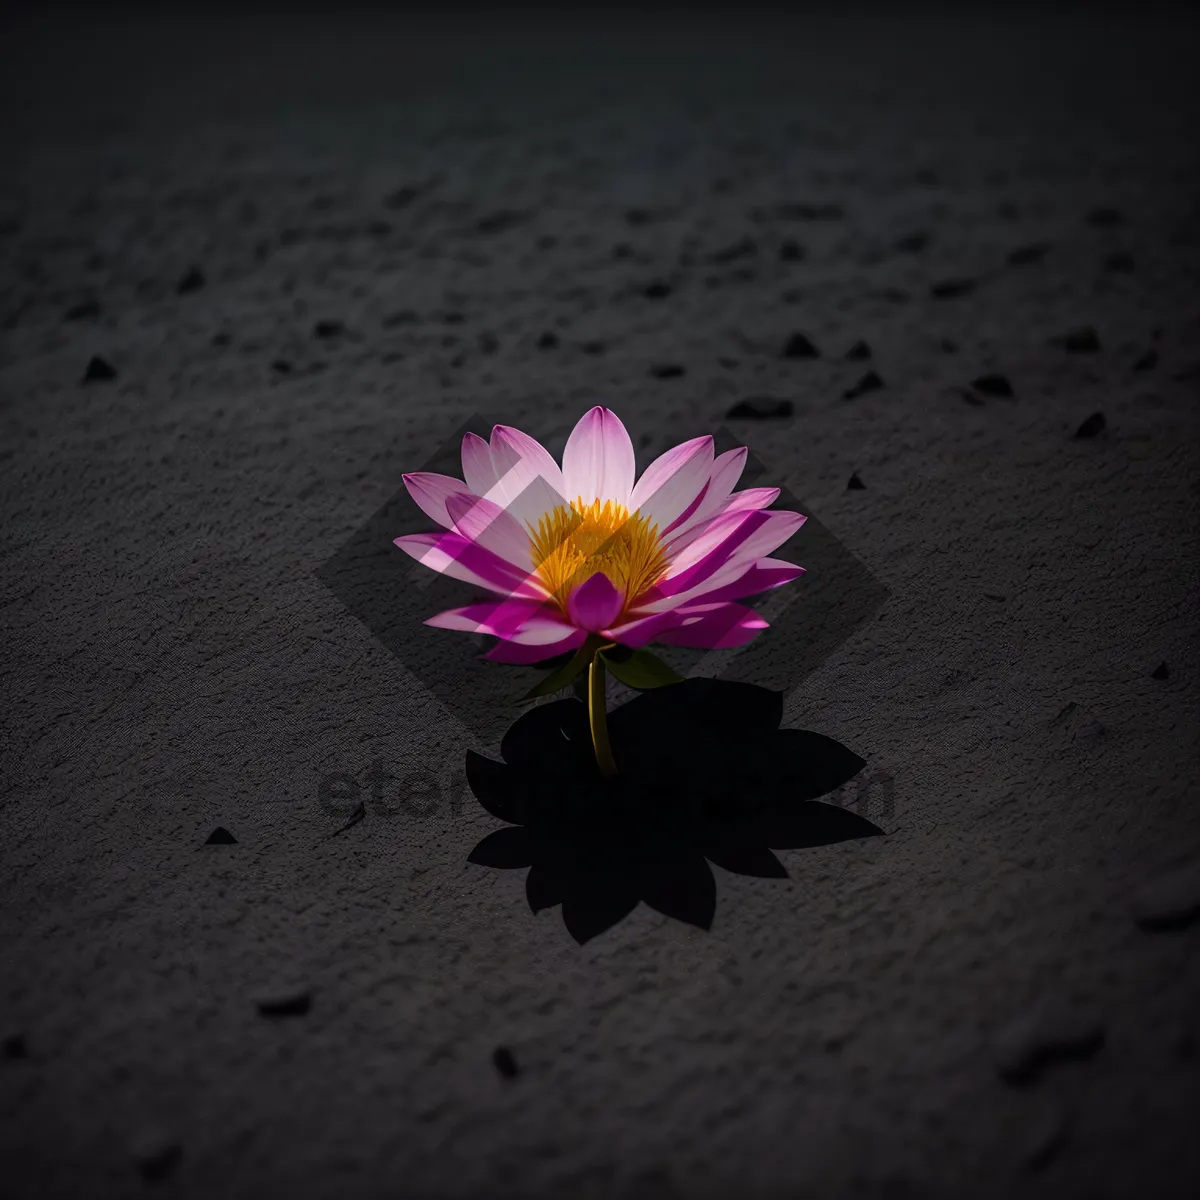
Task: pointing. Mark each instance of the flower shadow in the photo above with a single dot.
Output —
(705, 776)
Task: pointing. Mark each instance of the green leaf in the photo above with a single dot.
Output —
(559, 679)
(641, 670)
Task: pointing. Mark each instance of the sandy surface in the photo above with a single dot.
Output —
(172, 662)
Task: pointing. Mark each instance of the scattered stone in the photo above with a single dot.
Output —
(498, 222)
(284, 1002)
(791, 251)
(667, 371)
(548, 341)
(405, 316)
(15, 1046)
(281, 366)
(1051, 1033)
(949, 346)
(1119, 261)
(360, 811)
(592, 347)
(913, 243)
(379, 229)
(402, 197)
(949, 288)
(1023, 256)
(453, 317)
(192, 281)
(659, 289)
(99, 370)
(810, 212)
(1162, 671)
(1080, 341)
(156, 1153)
(859, 352)
(993, 385)
(1147, 362)
(1093, 425)
(1044, 1134)
(1169, 902)
(328, 329)
(502, 1058)
(798, 346)
(621, 251)
(220, 837)
(83, 311)
(222, 339)
(743, 248)
(1106, 218)
(760, 408)
(870, 382)
(856, 484)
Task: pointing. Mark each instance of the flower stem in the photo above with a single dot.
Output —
(597, 716)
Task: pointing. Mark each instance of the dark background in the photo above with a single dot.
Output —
(310, 243)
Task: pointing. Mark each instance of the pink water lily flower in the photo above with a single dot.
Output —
(587, 556)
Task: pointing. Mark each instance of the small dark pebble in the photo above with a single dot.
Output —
(791, 251)
(1051, 1033)
(667, 371)
(1162, 671)
(289, 1002)
(1023, 256)
(1106, 218)
(993, 385)
(281, 366)
(502, 1058)
(1093, 425)
(453, 318)
(547, 341)
(856, 484)
(950, 288)
(810, 212)
(379, 229)
(156, 1153)
(15, 1046)
(222, 339)
(98, 371)
(659, 289)
(760, 408)
(1119, 261)
(82, 311)
(743, 248)
(328, 329)
(859, 352)
(870, 382)
(360, 811)
(497, 222)
(999, 597)
(621, 251)
(401, 197)
(948, 346)
(799, 346)
(1169, 902)
(1080, 341)
(1044, 1134)
(592, 347)
(1147, 362)
(913, 243)
(220, 837)
(403, 317)
(192, 281)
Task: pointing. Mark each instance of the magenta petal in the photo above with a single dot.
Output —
(430, 491)
(477, 464)
(751, 498)
(598, 461)
(595, 604)
(725, 626)
(673, 482)
(483, 521)
(514, 652)
(500, 618)
(726, 471)
(460, 558)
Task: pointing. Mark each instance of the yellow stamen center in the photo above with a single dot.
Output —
(571, 544)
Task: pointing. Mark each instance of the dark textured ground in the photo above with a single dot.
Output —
(171, 663)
